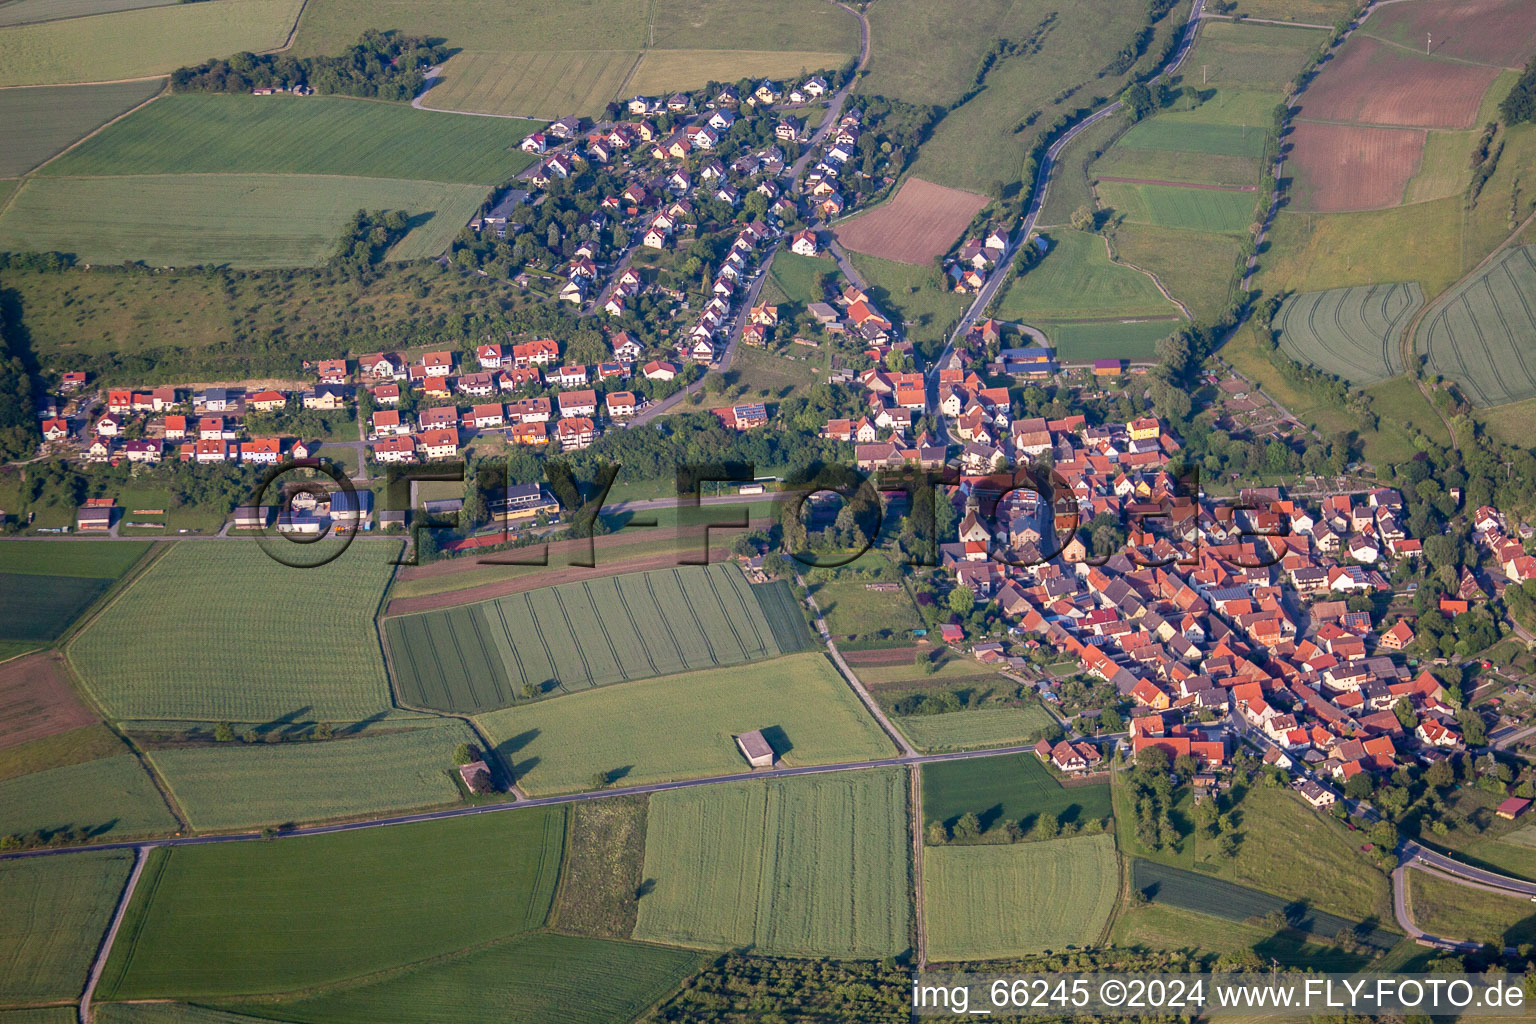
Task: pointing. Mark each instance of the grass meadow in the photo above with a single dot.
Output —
(1352, 333)
(242, 220)
(247, 918)
(591, 981)
(811, 867)
(55, 910)
(76, 746)
(1162, 926)
(38, 123)
(852, 609)
(141, 43)
(1076, 280)
(678, 727)
(1196, 267)
(572, 637)
(206, 133)
(666, 70)
(798, 280)
(911, 294)
(604, 868)
(1014, 788)
(1443, 907)
(532, 84)
(109, 797)
(980, 727)
(990, 902)
(239, 637)
(1221, 211)
(238, 785)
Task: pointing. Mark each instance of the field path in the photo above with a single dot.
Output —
(853, 680)
(1115, 258)
(140, 858)
(919, 922)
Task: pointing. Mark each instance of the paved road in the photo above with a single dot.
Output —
(546, 801)
(1411, 852)
(140, 857)
(1042, 185)
(835, 108)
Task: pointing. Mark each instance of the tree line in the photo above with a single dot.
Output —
(382, 65)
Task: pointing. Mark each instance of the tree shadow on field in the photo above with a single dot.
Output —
(294, 721)
(361, 724)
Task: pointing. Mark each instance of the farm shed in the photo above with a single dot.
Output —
(96, 514)
(1512, 808)
(756, 749)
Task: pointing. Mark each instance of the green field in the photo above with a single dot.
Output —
(160, 1012)
(22, 12)
(39, 123)
(75, 746)
(798, 281)
(244, 220)
(1480, 335)
(111, 797)
(237, 785)
(914, 295)
(1077, 280)
(140, 43)
(242, 638)
(105, 559)
(1162, 926)
(1169, 165)
(276, 917)
(195, 133)
(55, 911)
(1122, 339)
(681, 726)
(1015, 788)
(980, 727)
(1196, 267)
(1168, 206)
(579, 635)
(1206, 895)
(42, 1015)
(990, 902)
(807, 867)
(852, 609)
(517, 981)
(604, 868)
(665, 70)
(46, 585)
(1352, 333)
(547, 84)
(1453, 911)
(1250, 56)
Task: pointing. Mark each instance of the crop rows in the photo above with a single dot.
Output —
(1481, 336)
(55, 911)
(578, 635)
(803, 866)
(1349, 332)
(1206, 895)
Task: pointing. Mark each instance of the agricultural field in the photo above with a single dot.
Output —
(203, 133)
(990, 902)
(604, 868)
(1352, 333)
(164, 1012)
(141, 43)
(41, 1015)
(1167, 133)
(241, 918)
(1479, 334)
(1164, 926)
(921, 222)
(1202, 894)
(238, 785)
(1496, 32)
(1115, 339)
(37, 701)
(548, 84)
(592, 981)
(815, 867)
(916, 296)
(681, 726)
(242, 220)
(1312, 252)
(335, 675)
(852, 609)
(978, 727)
(1442, 907)
(87, 743)
(1370, 82)
(111, 797)
(24, 12)
(55, 911)
(667, 70)
(1339, 168)
(1015, 788)
(46, 585)
(1443, 167)
(1214, 210)
(1197, 267)
(1077, 281)
(39, 123)
(482, 656)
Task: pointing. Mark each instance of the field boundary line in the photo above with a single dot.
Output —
(919, 921)
(162, 91)
(1447, 58)
(1113, 258)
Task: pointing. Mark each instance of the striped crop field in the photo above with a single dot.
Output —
(239, 637)
(575, 636)
(1350, 332)
(1481, 335)
(805, 867)
(240, 220)
(38, 123)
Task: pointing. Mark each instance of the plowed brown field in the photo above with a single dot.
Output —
(36, 700)
(1373, 82)
(920, 223)
(1339, 167)
(1488, 31)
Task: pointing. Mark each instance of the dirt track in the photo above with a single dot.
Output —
(553, 575)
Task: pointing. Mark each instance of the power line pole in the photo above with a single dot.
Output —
(1203, 79)
(1426, 44)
